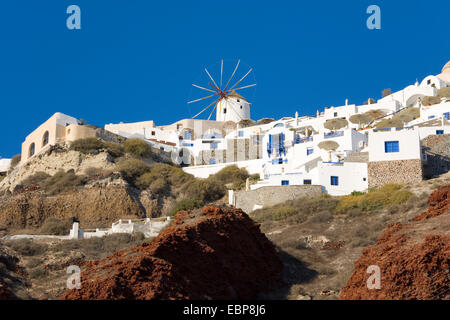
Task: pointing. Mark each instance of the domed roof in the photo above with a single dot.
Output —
(446, 68)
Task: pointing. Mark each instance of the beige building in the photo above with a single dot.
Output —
(59, 129)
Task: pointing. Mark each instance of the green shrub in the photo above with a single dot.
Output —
(27, 247)
(96, 172)
(207, 190)
(15, 160)
(88, 145)
(298, 210)
(54, 226)
(131, 169)
(185, 204)
(62, 182)
(232, 175)
(283, 212)
(321, 217)
(375, 199)
(37, 178)
(138, 148)
(115, 149)
(159, 186)
(357, 193)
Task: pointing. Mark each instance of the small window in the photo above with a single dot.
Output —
(284, 182)
(212, 161)
(280, 161)
(334, 181)
(447, 115)
(364, 179)
(31, 150)
(391, 146)
(335, 114)
(429, 81)
(153, 133)
(307, 181)
(309, 151)
(439, 131)
(224, 110)
(241, 107)
(240, 133)
(45, 139)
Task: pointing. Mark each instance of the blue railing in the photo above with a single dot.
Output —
(333, 134)
(299, 140)
(212, 136)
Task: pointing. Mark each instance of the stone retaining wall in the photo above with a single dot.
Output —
(437, 151)
(248, 201)
(398, 171)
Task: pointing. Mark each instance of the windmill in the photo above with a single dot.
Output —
(229, 105)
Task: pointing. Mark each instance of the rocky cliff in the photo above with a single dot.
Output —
(209, 253)
(414, 258)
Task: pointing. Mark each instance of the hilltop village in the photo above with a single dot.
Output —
(342, 149)
(304, 194)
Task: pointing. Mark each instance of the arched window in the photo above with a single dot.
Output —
(31, 150)
(45, 139)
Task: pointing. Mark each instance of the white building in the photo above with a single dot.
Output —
(4, 165)
(287, 152)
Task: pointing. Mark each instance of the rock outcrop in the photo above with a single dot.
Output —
(54, 159)
(210, 253)
(95, 206)
(414, 258)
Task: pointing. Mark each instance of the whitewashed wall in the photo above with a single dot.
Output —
(409, 145)
(353, 176)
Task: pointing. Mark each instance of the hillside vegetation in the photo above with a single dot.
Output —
(320, 238)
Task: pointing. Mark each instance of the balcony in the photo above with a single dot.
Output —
(333, 134)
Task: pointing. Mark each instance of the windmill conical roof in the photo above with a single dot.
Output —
(234, 94)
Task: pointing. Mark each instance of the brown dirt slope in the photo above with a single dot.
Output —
(93, 206)
(414, 258)
(210, 253)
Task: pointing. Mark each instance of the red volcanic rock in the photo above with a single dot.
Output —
(414, 258)
(439, 203)
(210, 253)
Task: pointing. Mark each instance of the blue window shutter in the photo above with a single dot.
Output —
(447, 115)
(334, 180)
(391, 146)
(269, 145)
(284, 182)
(439, 131)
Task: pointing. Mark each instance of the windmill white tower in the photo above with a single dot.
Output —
(229, 105)
(234, 108)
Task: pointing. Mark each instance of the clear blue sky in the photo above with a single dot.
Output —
(136, 60)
